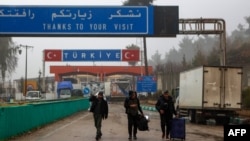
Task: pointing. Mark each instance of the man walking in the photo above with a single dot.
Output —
(166, 109)
(99, 108)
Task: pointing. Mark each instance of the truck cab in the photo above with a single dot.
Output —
(33, 95)
(65, 93)
(175, 94)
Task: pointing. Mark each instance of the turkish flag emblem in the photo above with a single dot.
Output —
(53, 55)
(140, 78)
(130, 55)
(154, 78)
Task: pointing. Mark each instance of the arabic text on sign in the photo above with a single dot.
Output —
(82, 20)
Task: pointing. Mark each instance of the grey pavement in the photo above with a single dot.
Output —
(80, 127)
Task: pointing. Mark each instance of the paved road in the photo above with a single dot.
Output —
(80, 127)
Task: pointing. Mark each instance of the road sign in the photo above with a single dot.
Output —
(92, 55)
(76, 20)
(146, 84)
(68, 21)
(86, 91)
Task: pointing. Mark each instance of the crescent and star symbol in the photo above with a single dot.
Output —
(49, 55)
(128, 56)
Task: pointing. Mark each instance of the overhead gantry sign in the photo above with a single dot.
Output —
(89, 21)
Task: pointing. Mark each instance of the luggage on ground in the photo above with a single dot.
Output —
(142, 123)
(178, 130)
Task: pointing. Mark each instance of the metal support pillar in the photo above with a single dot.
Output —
(206, 26)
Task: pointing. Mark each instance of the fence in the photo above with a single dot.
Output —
(15, 120)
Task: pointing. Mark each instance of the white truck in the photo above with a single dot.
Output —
(33, 95)
(209, 92)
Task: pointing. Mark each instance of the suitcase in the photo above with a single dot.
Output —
(178, 130)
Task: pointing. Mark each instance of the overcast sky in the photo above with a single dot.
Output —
(232, 11)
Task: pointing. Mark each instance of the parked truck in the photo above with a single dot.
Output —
(64, 89)
(34, 95)
(209, 92)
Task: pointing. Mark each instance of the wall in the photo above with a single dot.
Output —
(15, 120)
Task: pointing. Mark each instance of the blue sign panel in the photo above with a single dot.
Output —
(92, 55)
(86, 91)
(55, 20)
(146, 84)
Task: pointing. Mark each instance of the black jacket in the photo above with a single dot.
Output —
(166, 105)
(104, 107)
(126, 105)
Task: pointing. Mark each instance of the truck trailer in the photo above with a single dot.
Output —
(209, 92)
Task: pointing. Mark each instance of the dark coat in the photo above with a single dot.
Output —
(104, 107)
(126, 105)
(166, 105)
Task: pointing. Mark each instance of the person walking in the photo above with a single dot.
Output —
(99, 107)
(132, 106)
(166, 109)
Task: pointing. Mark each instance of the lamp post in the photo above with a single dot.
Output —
(26, 58)
(39, 80)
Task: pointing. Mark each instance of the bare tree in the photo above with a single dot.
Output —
(8, 57)
(248, 22)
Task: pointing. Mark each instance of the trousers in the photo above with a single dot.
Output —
(132, 124)
(98, 123)
(165, 124)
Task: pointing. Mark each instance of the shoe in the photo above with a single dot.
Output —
(130, 137)
(97, 137)
(167, 137)
(163, 135)
(135, 138)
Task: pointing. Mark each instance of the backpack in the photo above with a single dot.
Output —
(142, 123)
